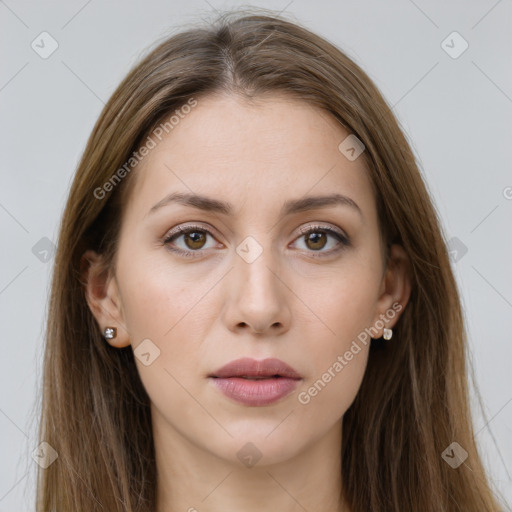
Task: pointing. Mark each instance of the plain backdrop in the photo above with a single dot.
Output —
(454, 103)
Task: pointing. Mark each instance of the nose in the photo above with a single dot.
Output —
(259, 302)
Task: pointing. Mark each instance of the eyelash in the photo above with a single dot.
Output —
(344, 240)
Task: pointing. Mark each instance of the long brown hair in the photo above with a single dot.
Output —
(413, 401)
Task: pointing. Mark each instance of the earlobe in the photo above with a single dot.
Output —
(103, 299)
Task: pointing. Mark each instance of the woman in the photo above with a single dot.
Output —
(252, 306)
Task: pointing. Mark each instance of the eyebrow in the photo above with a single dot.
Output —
(291, 206)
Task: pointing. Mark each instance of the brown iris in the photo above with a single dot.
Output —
(197, 239)
(318, 239)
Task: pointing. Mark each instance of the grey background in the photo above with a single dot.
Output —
(455, 111)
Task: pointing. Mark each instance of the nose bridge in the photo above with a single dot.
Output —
(258, 299)
(256, 264)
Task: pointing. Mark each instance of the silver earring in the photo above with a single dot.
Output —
(388, 333)
(109, 333)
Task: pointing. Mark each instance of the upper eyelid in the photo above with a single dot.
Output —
(319, 226)
(303, 230)
(187, 228)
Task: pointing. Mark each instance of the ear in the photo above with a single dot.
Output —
(395, 287)
(103, 297)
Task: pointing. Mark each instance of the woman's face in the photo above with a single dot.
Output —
(235, 274)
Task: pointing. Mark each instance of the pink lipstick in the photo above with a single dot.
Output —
(256, 383)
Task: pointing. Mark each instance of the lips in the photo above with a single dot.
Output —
(247, 368)
(256, 383)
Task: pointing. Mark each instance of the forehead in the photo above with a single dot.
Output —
(266, 149)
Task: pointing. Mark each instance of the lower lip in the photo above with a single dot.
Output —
(256, 392)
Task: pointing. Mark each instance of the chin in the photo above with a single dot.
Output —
(261, 443)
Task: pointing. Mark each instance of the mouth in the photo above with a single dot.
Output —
(253, 369)
(258, 378)
(256, 383)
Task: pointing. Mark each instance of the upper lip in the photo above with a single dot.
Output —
(247, 367)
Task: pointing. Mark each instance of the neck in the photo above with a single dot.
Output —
(194, 480)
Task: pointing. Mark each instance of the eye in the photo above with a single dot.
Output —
(194, 238)
(316, 238)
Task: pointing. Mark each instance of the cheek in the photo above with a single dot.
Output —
(332, 391)
(158, 297)
(337, 343)
(173, 307)
(338, 358)
(339, 302)
(164, 305)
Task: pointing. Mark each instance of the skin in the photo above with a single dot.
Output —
(203, 312)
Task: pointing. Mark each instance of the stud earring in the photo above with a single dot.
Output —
(109, 333)
(388, 333)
